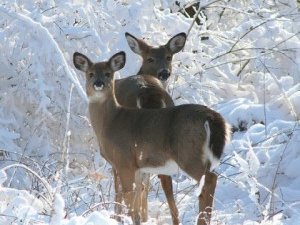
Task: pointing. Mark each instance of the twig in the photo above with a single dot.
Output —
(287, 39)
(253, 28)
(282, 91)
(265, 106)
(236, 61)
(192, 188)
(222, 12)
(101, 204)
(80, 38)
(46, 185)
(59, 28)
(48, 9)
(274, 214)
(275, 135)
(278, 167)
(19, 154)
(227, 177)
(1, 214)
(66, 141)
(243, 67)
(34, 25)
(197, 14)
(252, 48)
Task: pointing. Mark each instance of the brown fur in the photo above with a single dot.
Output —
(146, 90)
(132, 139)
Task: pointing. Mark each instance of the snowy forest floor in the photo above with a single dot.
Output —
(243, 60)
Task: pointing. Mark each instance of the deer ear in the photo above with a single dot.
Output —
(81, 62)
(117, 61)
(176, 43)
(137, 46)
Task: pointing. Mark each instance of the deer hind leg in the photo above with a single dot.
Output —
(206, 198)
(166, 183)
(144, 196)
(131, 190)
(118, 195)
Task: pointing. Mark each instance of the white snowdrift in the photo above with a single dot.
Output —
(243, 61)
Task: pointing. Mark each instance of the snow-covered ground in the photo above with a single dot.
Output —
(243, 61)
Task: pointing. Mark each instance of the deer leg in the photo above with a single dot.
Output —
(166, 183)
(144, 196)
(131, 189)
(118, 194)
(140, 194)
(206, 198)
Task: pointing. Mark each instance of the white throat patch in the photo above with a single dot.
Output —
(97, 97)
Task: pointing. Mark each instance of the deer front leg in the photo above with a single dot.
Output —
(131, 189)
(166, 183)
(206, 198)
(118, 195)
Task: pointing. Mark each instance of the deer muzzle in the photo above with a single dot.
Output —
(164, 74)
(98, 85)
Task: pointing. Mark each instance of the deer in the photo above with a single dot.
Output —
(147, 90)
(134, 141)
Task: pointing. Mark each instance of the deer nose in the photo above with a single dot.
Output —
(163, 74)
(98, 85)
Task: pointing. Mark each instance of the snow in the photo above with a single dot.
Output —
(58, 210)
(248, 70)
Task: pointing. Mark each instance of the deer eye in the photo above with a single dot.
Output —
(169, 58)
(107, 74)
(91, 75)
(150, 60)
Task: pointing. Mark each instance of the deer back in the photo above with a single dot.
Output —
(189, 135)
(142, 92)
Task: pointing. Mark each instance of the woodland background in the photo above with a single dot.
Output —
(242, 58)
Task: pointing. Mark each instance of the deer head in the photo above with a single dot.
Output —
(99, 76)
(157, 61)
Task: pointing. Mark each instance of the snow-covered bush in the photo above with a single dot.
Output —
(243, 60)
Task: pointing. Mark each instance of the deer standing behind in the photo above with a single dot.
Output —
(135, 141)
(147, 90)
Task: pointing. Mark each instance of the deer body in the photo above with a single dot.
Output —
(133, 141)
(138, 137)
(146, 90)
(142, 91)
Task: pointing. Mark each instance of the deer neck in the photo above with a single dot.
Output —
(141, 72)
(102, 111)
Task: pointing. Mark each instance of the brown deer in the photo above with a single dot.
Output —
(157, 61)
(146, 90)
(135, 141)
